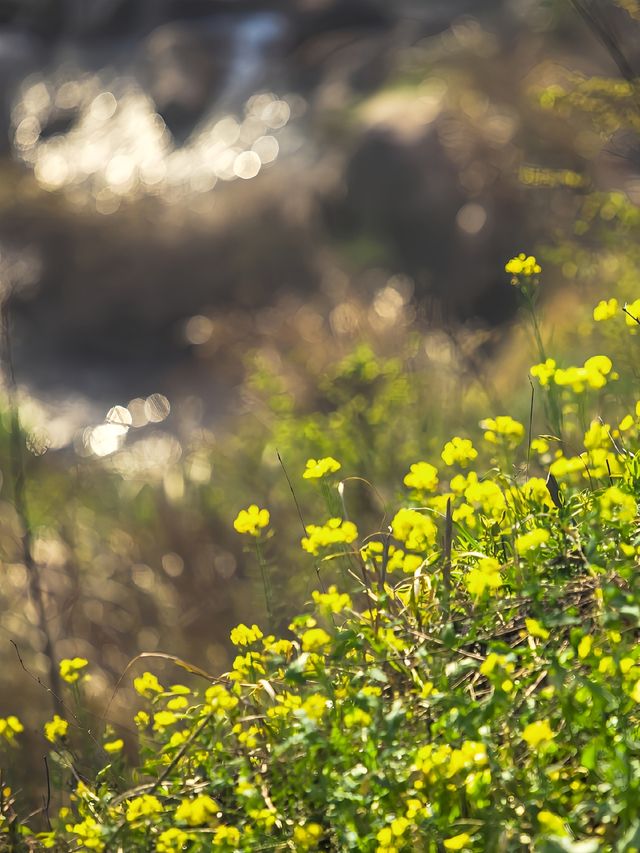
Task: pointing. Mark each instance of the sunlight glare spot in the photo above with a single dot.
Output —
(136, 409)
(157, 408)
(227, 131)
(119, 415)
(198, 330)
(471, 218)
(266, 148)
(276, 114)
(247, 165)
(106, 438)
(103, 106)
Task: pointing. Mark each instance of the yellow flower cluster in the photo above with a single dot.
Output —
(459, 451)
(390, 838)
(617, 505)
(552, 824)
(307, 836)
(226, 835)
(332, 601)
(593, 374)
(147, 684)
(10, 727)
(89, 833)
(535, 629)
(544, 372)
(525, 265)
(140, 808)
(537, 734)
(485, 495)
(532, 540)
(251, 520)
(632, 316)
(241, 635)
(56, 729)
(218, 698)
(422, 477)
(70, 669)
(503, 430)
(334, 532)
(314, 639)
(417, 531)
(458, 842)
(397, 559)
(605, 310)
(443, 761)
(202, 809)
(318, 468)
(536, 492)
(485, 576)
(172, 840)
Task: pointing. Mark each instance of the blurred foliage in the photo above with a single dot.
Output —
(137, 552)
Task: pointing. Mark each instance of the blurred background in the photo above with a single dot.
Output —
(232, 227)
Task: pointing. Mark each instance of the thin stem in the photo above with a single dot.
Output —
(266, 582)
(16, 458)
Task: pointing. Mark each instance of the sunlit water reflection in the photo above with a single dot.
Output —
(118, 145)
(101, 135)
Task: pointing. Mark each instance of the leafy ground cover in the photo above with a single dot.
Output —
(466, 675)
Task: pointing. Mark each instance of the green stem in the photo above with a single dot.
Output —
(266, 582)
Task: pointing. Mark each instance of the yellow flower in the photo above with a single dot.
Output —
(331, 600)
(141, 807)
(616, 504)
(552, 824)
(228, 835)
(544, 372)
(113, 746)
(532, 540)
(307, 837)
(485, 576)
(459, 451)
(317, 468)
(502, 430)
(535, 629)
(147, 684)
(523, 265)
(632, 315)
(56, 729)
(89, 831)
(243, 636)
(598, 435)
(488, 496)
(163, 719)
(218, 697)
(584, 646)
(334, 532)
(416, 530)
(458, 842)
(422, 477)
(198, 811)
(535, 491)
(605, 309)
(252, 520)
(70, 669)
(172, 840)
(314, 639)
(537, 733)
(10, 727)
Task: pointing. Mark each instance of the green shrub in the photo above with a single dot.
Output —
(466, 678)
